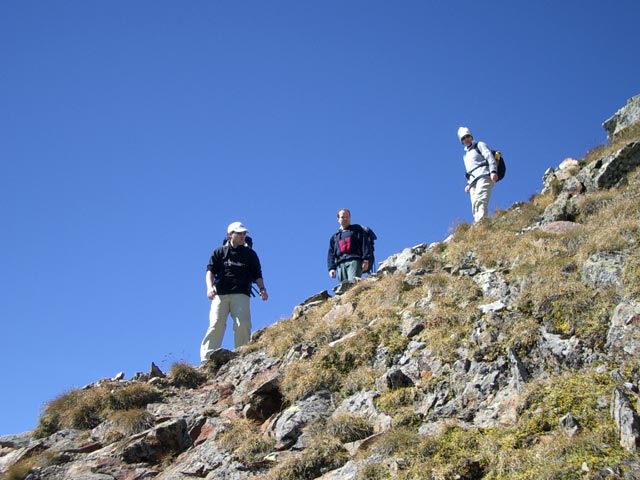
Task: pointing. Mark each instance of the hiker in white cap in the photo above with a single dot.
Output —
(482, 169)
(231, 271)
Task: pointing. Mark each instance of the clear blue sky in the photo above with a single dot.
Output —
(132, 133)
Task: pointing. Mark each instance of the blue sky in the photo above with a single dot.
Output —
(132, 133)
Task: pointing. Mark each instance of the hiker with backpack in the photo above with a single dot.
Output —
(231, 272)
(350, 249)
(482, 173)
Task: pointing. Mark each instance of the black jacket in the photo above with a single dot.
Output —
(348, 244)
(234, 269)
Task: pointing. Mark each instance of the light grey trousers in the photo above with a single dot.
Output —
(236, 304)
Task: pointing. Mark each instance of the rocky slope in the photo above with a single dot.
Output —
(510, 350)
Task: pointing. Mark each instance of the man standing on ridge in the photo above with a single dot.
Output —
(349, 251)
(481, 173)
(231, 271)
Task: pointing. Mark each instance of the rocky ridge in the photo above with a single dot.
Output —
(454, 360)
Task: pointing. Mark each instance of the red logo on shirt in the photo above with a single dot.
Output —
(345, 245)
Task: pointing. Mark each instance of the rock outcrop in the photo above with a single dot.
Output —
(454, 360)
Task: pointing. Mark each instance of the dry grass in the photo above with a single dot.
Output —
(349, 427)
(85, 409)
(184, 375)
(243, 439)
(324, 454)
(130, 422)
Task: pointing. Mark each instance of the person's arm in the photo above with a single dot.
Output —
(263, 291)
(331, 260)
(256, 272)
(211, 289)
(485, 151)
(366, 251)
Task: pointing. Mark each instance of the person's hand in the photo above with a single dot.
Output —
(211, 292)
(365, 265)
(264, 295)
(494, 177)
(332, 273)
(467, 188)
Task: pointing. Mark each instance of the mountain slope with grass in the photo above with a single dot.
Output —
(509, 350)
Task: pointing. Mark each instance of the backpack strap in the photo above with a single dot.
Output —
(483, 164)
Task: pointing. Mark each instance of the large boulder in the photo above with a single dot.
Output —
(612, 169)
(623, 118)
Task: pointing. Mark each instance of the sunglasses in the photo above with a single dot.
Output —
(240, 233)
(466, 136)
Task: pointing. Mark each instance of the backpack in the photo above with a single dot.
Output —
(502, 167)
(370, 238)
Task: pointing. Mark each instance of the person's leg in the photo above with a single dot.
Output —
(480, 196)
(354, 269)
(217, 325)
(241, 316)
(342, 272)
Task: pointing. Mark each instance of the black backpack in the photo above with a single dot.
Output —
(370, 238)
(502, 167)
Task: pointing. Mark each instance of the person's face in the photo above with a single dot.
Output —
(238, 238)
(344, 218)
(466, 140)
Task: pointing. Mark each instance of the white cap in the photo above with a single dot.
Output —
(236, 227)
(462, 131)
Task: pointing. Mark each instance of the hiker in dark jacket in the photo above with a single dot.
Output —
(231, 271)
(482, 169)
(349, 253)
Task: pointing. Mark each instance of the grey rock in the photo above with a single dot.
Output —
(492, 307)
(301, 351)
(626, 419)
(569, 425)
(604, 269)
(560, 227)
(287, 426)
(562, 209)
(339, 311)
(559, 353)
(310, 303)
(624, 330)
(396, 379)
(155, 372)
(403, 261)
(411, 325)
(170, 437)
(265, 400)
(623, 118)
(349, 471)
(220, 357)
(610, 170)
(15, 440)
(345, 286)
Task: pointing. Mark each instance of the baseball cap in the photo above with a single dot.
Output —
(236, 227)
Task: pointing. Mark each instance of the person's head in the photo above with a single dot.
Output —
(237, 233)
(465, 136)
(344, 217)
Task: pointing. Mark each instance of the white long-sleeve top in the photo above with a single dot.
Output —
(478, 165)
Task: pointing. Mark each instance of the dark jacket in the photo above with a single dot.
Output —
(348, 244)
(234, 269)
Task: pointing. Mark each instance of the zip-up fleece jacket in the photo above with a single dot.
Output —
(234, 269)
(348, 244)
(478, 165)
